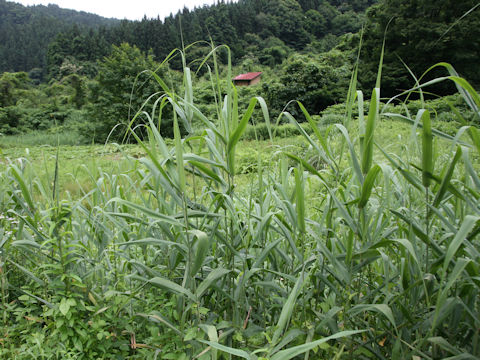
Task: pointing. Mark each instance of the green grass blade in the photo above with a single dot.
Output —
(353, 156)
(209, 280)
(352, 87)
(409, 176)
(361, 120)
(467, 226)
(179, 154)
(158, 318)
(302, 131)
(28, 273)
(442, 307)
(237, 133)
(382, 53)
(147, 211)
(266, 116)
(288, 354)
(188, 94)
(475, 136)
(367, 154)
(156, 242)
(306, 166)
(202, 245)
(470, 169)
(226, 349)
(380, 308)
(368, 186)
(444, 344)
(300, 196)
(289, 337)
(23, 186)
(323, 142)
(427, 148)
(446, 178)
(419, 232)
(287, 309)
(168, 285)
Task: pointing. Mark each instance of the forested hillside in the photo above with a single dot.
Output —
(419, 34)
(265, 28)
(26, 32)
(73, 53)
(81, 68)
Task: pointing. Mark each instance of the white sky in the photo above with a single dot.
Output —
(124, 9)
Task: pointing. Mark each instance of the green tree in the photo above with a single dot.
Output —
(24, 107)
(112, 101)
(10, 119)
(11, 85)
(421, 33)
(274, 51)
(26, 32)
(316, 82)
(315, 23)
(78, 98)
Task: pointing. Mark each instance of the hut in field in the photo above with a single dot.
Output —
(247, 79)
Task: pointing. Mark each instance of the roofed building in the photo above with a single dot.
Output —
(247, 79)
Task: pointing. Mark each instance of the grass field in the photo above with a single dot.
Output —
(79, 166)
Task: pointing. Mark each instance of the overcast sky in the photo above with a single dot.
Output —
(120, 9)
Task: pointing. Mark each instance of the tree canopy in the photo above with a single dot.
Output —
(116, 96)
(43, 38)
(419, 34)
(26, 32)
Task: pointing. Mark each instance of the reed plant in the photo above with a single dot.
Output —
(362, 253)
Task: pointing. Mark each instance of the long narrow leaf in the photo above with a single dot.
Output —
(300, 349)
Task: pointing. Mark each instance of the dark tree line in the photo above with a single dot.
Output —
(42, 38)
(26, 32)
(294, 23)
(420, 34)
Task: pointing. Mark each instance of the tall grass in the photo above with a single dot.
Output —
(370, 255)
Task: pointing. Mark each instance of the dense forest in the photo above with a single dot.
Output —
(266, 28)
(63, 68)
(26, 32)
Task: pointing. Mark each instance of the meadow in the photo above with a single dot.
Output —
(351, 240)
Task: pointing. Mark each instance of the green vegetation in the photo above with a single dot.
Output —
(91, 68)
(419, 34)
(48, 107)
(26, 32)
(301, 218)
(340, 244)
(263, 29)
(86, 81)
(114, 98)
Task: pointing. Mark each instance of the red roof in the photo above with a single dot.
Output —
(248, 76)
